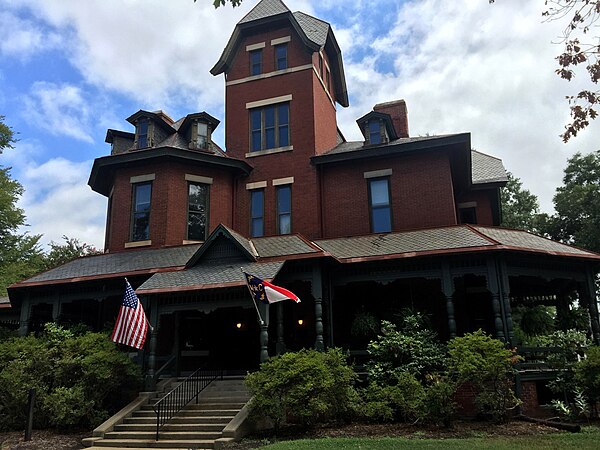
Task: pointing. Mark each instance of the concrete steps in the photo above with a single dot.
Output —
(197, 426)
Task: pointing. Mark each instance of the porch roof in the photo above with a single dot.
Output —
(208, 276)
(454, 239)
(114, 264)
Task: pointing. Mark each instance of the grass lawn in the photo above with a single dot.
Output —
(588, 438)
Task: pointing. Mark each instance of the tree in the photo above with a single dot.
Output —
(217, 3)
(577, 203)
(520, 208)
(62, 253)
(7, 135)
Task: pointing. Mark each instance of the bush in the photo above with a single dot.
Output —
(411, 349)
(79, 380)
(482, 360)
(305, 387)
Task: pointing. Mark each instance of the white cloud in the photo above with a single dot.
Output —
(23, 38)
(60, 110)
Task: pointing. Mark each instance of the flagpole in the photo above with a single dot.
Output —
(260, 319)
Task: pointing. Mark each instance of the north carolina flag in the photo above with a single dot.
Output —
(132, 325)
(266, 292)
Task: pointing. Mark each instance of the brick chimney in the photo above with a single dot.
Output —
(399, 114)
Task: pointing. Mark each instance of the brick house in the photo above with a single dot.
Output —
(354, 228)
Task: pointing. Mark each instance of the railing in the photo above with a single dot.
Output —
(176, 399)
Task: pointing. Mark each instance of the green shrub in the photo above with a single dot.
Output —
(79, 379)
(587, 375)
(439, 406)
(305, 387)
(482, 360)
(413, 349)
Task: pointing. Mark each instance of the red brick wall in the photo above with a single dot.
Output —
(421, 191)
(168, 214)
(483, 210)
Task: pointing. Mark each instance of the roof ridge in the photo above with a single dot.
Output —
(263, 9)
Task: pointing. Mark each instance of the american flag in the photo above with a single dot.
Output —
(132, 325)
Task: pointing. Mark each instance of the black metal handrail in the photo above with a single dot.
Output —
(177, 398)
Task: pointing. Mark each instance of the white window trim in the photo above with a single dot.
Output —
(467, 205)
(270, 74)
(281, 40)
(256, 46)
(142, 178)
(378, 173)
(283, 181)
(269, 101)
(198, 179)
(256, 185)
(138, 244)
(269, 151)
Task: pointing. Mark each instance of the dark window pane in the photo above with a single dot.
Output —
(196, 226)
(269, 138)
(283, 114)
(256, 141)
(257, 204)
(255, 119)
(284, 136)
(374, 132)
(141, 226)
(382, 220)
(256, 212)
(281, 57)
(284, 199)
(285, 224)
(142, 197)
(270, 117)
(256, 62)
(257, 227)
(197, 211)
(380, 193)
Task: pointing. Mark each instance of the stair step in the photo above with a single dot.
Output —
(185, 444)
(185, 419)
(193, 412)
(164, 435)
(170, 426)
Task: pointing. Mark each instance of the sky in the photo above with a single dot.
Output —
(71, 69)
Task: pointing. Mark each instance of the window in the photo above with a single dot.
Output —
(255, 62)
(381, 211)
(327, 80)
(374, 129)
(269, 127)
(140, 229)
(284, 209)
(197, 218)
(257, 212)
(142, 131)
(320, 66)
(202, 140)
(468, 215)
(281, 57)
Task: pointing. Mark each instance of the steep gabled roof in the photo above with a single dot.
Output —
(487, 169)
(243, 245)
(314, 33)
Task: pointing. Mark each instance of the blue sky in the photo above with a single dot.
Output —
(70, 69)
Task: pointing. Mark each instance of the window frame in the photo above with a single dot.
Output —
(278, 58)
(256, 67)
(278, 212)
(464, 213)
(135, 212)
(277, 127)
(146, 138)
(373, 208)
(194, 212)
(261, 217)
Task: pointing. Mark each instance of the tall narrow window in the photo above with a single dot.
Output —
(320, 66)
(140, 229)
(374, 131)
(281, 61)
(197, 211)
(381, 210)
(202, 135)
(328, 80)
(284, 209)
(255, 62)
(270, 127)
(142, 131)
(257, 213)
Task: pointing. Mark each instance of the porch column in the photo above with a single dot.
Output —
(150, 381)
(280, 346)
(176, 339)
(264, 332)
(56, 307)
(24, 318)
(593, 305)
(317, 292)
(505, 299)
(492, 282)
(448, 291)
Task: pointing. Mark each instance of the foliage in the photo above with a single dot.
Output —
(534, 320)
(7, 135)
(587, 375)
(217, 3)
(79, 380)
(413, 349)
(305, 387)
(577, 202)
(478, 358)
(62, 253)
(364, 325)
(520, 207)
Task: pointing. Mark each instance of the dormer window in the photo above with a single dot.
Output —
(202, 135)
(142, 133)
(374, 130)
(377, 128)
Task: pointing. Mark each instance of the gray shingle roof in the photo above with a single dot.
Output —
(116, 263)
(487, 169)
(315, 29)
(206, 276)
(281, 246)
(523, 239)
(354, 146)
(404, 242)
(265, 8)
